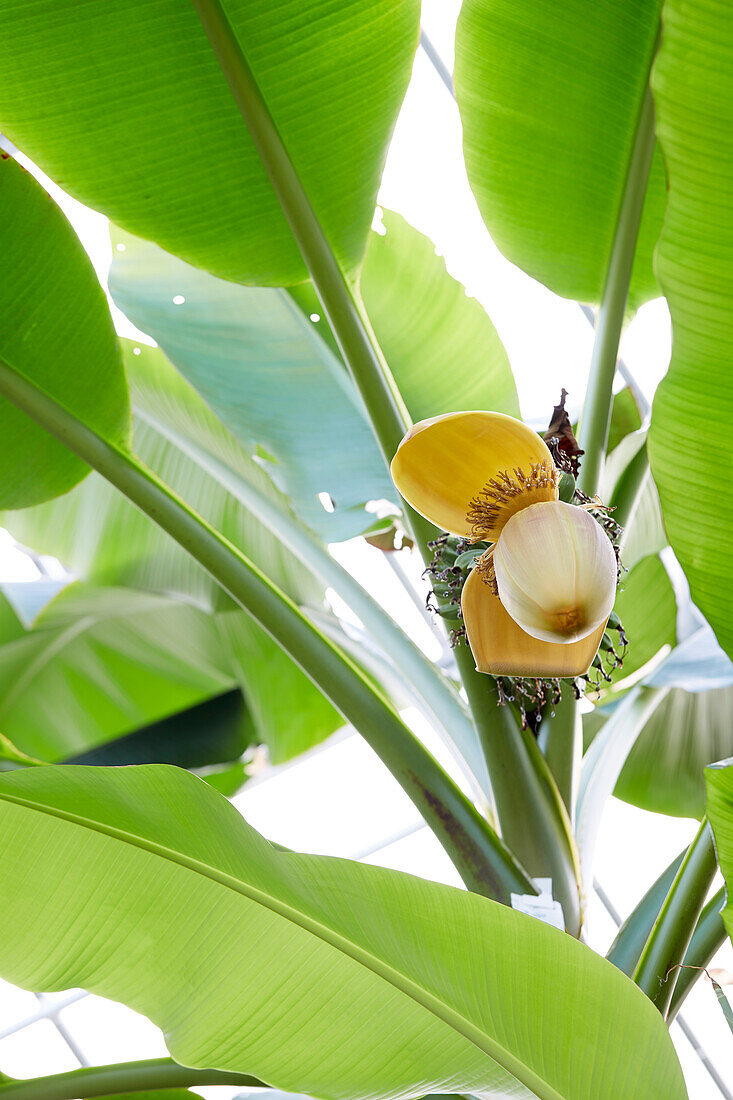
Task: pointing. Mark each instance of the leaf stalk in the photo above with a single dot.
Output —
(339, 298)
(431, 689)
(361, 352)
(596, 417)
(672, 931)
(707, 939)
(483, 861)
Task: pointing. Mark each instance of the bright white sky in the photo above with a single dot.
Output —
(340, 800)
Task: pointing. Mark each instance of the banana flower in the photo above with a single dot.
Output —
(538, 600)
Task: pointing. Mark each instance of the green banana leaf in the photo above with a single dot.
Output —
(259, 363)
(277, 382)
(441, 347)
(99, 535)
(216, 731)
(54, 325)
(644, 532)
(625, 418)
(289, 714)
(157, 1094)
(690, 445)
(316, 974)
(691, 727)
(603, 761)
(101, 662)
(173, 161)
(549, 96)
(665, 771)
(719, 808)
(647, 608)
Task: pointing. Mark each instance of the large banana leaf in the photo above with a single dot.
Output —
(603, 762)
(262, 367)
(644, 531)
(276, 380)
(691, 727)
(216, 731)
(316, 974)
(690, 444)
(100, 662)
(549, 96)
(127, 110)
(102, 537)
(441, 347)
(647, 608)
(290, 715)
(54, 325)
(665, 771)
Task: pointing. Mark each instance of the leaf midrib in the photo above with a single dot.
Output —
(433, 1004)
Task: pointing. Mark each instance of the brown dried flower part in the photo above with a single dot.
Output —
(561, 440)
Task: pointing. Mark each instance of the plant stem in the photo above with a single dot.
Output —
(339, 297)
(596, 416)
(346, 316)
(672, 931)
(530, 810)
(708, 937)
(430, 688)
(484, 863)
(561, 742)
(157, 1073)
(634, 932)
(359, 348)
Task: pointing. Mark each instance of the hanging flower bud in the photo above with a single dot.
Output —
(555, 572)
(537, 599)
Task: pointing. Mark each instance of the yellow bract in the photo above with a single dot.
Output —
(501, 648)
(443, 466)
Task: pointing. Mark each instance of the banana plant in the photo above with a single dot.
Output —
(313, 356)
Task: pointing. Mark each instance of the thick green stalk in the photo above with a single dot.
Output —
(157, 1073)
(596, 416)
(561, 742)
(483, 861)
(707, 939)
(359, 348)
(672, 931)
(430, 688)
(533, 819)
(346, 316)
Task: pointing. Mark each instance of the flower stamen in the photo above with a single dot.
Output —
(569, 621)
(506, 494)
(485, 569)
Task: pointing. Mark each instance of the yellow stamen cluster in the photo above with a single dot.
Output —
(485, 569)
(506, 494)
